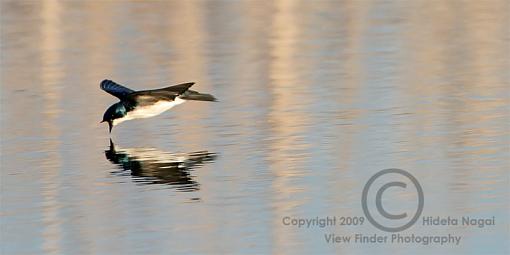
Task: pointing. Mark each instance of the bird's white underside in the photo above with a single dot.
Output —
(149, 111)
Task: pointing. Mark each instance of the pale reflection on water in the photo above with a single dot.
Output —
(315, 97)
(151, 166)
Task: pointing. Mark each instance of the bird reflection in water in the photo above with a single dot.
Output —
(150, 166)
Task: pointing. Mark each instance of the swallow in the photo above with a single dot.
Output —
(146, 103)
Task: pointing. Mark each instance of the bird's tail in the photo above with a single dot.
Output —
(194, 95)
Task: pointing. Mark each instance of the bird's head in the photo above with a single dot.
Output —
(116, 111)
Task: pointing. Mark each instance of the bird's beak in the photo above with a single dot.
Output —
(110, 125)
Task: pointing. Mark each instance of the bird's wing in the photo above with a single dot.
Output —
(154, 95)
(175, 90)
(179, 89)
(115, 89)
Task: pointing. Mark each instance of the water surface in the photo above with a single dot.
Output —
(315, 98)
